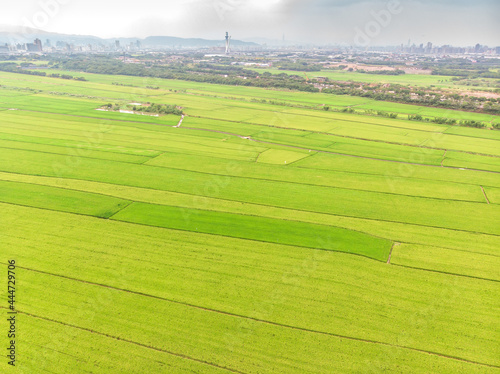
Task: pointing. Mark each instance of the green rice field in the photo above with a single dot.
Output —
(253, 238)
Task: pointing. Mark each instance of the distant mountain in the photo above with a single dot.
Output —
(169, 41)
(16, 34)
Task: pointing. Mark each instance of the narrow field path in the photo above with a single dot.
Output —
(180, 122)
(484, 193)
(444, 157)
(395, 244)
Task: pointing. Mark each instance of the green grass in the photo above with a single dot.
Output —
(281, 157)
(453, 239)
(303, 288)
(256, 228)
(370, 181)
(393, 171)
(60, 199)
(424, 80)
(447, 260)
(338, 201)
(472, 161)
(493, 194)
(79, 350)
(86, 150)
(129, 94)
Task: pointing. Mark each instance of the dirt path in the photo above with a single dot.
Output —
(395, 244)
(444, 157)
(180, 122)
(484, 193)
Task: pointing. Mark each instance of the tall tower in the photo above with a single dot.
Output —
(228, 42)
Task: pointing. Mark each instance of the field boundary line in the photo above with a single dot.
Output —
(394, 176)
(263, 125)
(58, 130)
(249, 203)
(316, 150)
(297, 166)
(300, 159)
(272, 206)
(301, 183)
(253, 319)
(454, 249)
(373, 158)
(75, 146)
(89, 157)
(146, 163)
(337, 215)
(91, 117)
(152, 158)
(180, 355)
(346, 154)
(130, 202)
(372, 258)
(447, 273)
(444, 157)
(394, 244)
(484, 193)
(285, 111)
(256, 160)
(352, 137)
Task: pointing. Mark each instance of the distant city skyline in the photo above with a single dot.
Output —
(356, 22)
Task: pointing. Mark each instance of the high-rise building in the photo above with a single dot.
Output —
(38, 43)
(36, 46)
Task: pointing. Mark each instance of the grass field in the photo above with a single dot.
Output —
(254, 238)
(405, 79)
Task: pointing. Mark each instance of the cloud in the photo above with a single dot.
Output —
(327, 21)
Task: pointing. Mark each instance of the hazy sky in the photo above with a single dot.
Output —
(457, 22)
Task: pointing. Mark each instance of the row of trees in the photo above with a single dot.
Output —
(198, 73)
(382, 72)
(150, 108)
(449, 121)
(14, 68)
(298, 66)
(415, 95)
(159, 109)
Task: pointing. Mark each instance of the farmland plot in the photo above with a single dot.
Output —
(255, 238)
